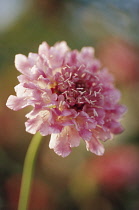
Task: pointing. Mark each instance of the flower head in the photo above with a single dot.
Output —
(72, 97)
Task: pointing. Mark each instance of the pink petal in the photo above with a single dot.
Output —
(117, 129)
(74, 138)
(43, 49)
(60, 144)
(111, 97)
(22, 91)
(22, 64)
(85, 134)
(95, 146)
(33, 125)
(23, 78)
(58, 54)
(84, 124)
(16, 103)
(87, 52)
(103, 133)
(47, 128)
(60, 47)
(118, 111)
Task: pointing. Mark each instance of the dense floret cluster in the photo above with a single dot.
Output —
(72, 97)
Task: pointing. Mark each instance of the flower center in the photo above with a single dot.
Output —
(77, 87)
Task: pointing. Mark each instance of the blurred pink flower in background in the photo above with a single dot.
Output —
(40, 196)
(116, 169)
(8, 123)
(72, 97)
(103, 180)
(121, 58)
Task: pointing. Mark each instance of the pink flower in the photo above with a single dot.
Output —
(117, 169)
(121, 58)
(72, 98)
(40, 193)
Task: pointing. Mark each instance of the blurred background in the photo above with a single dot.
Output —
(82, 181)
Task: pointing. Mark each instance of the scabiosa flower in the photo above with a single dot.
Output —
(72, 97)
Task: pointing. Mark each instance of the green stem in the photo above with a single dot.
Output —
(28, 171)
